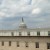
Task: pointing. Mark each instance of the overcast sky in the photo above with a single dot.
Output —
(36, 13)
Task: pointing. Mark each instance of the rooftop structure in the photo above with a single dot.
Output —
(24, 31)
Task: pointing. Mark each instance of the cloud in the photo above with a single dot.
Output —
(36, 11)
(11, 8)
(2, 14)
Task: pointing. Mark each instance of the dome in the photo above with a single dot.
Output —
(22, 25)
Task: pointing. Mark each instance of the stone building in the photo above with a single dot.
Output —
(25, 39)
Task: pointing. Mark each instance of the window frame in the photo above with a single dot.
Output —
(26, 44)
(12, 33)
(20, 34)
(2, 43)
(28, 33)
(48, 45)
(48, 33)
(9, 43)
(38, 33)
(18, 44)
(37, 44)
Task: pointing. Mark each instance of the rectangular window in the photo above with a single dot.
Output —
(37, 44)
(9, 43)
(12, 33)
(48, 33)
(48, 45)
(2, 43)
(28, 33)
(26, 44)
(17, 43)
(19, 33)
(38, 33)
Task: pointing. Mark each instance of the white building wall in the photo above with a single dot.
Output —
(35, 33)
(24, 33)
(9, 33)
(31, 33)
(42, 33)
(46, 33)
(15, 33)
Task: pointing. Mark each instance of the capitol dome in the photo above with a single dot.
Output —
(22, 25)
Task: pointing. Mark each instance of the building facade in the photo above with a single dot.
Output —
(25, 39)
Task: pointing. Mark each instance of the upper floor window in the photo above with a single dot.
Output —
(2, 43)
(28, 33)
(38, 33)
(26, 44)
(12, 33)
(37, 44)
(19, 33)
(48, 33)
(17, 43)
(48, 45)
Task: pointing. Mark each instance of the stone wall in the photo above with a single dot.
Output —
(22, 41)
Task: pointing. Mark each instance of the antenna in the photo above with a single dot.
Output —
(22, 19)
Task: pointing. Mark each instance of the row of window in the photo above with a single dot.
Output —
(28, 33)
(26, 44)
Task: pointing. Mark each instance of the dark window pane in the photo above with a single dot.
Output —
(48, 45)
(28, 33)
(19, 33)
(17, 43)
(26, 44)
(48, 33)
(2, 43)
(9, 43)
(37, 44)
(12, 33)
(38, 33)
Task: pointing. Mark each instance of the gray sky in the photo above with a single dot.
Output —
(36, 13)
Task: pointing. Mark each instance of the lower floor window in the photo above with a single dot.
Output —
(26, 44)
(48, 45)
(9, 43)
(37, 44)
(2, 43)
(17, 43)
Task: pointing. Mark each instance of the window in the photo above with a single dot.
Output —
(9, 43)
(17, 43)
(26, 44)
(12, 33)
(28, 33)
(19, 33)
(37, 44)
(48, 45)
(2, 43)
(48, 33)
(38, 33)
